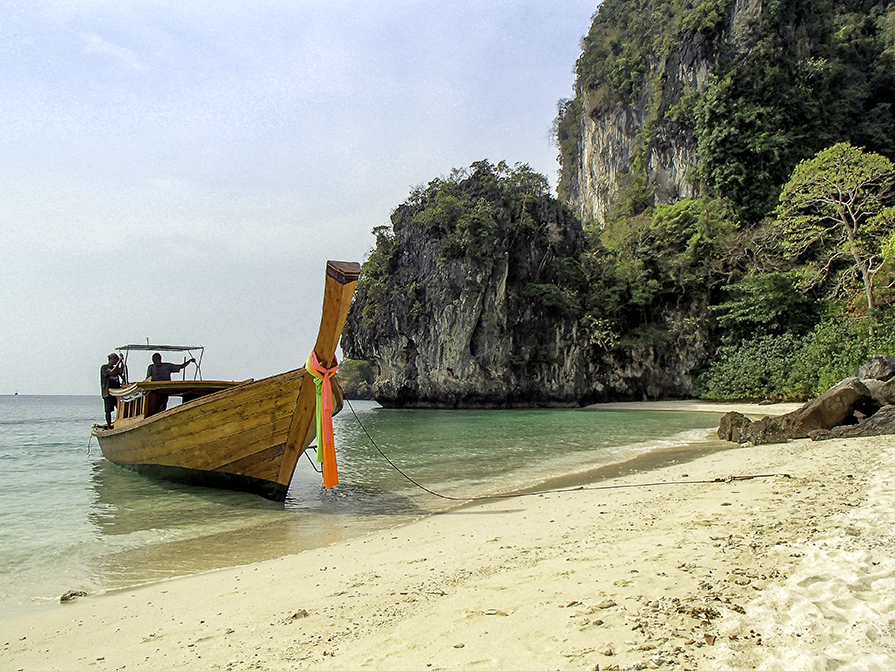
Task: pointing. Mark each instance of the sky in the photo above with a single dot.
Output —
(179, 172)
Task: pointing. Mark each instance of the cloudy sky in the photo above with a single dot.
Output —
(180, 171)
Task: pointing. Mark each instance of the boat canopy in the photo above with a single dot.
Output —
(161, 348)
(166, 348)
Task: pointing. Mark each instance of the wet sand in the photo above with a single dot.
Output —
(718, 557)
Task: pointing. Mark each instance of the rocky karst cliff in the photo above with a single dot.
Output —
(617, 135)
(475, 298)
(471, 313)
(721, 98)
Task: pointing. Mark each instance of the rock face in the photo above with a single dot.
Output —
(610, 138)
(878, 367)
(499, 323)
(860, 405)
(882, 392)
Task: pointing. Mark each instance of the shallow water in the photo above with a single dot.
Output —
(70, 520)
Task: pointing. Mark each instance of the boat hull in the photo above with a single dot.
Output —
(232, 439)
(215, 479)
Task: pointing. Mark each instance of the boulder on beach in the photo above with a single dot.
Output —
(765, 431)
(738, 428)
(880, 424)
(732, 427)
(860, 405)
(832, 408)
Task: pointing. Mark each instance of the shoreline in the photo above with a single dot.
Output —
(120, 566)
(659, 457)
(771, 572)
(757, 410)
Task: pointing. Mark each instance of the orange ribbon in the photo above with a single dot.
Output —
(326, 444)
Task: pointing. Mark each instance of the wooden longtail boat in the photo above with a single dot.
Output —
(245, 435)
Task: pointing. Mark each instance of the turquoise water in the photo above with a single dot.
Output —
(70, 520)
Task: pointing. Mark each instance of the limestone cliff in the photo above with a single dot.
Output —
(477, 320)
(615, 135)
(475, 298)
(487, 292)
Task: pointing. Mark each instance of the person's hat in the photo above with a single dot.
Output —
(114, 356)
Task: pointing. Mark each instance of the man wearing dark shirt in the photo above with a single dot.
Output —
(109, 378)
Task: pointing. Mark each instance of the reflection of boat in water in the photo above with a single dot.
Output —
(235, 435)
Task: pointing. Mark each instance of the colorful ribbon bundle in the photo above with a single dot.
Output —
(326, 444)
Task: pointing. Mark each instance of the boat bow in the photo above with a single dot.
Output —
(341, 279)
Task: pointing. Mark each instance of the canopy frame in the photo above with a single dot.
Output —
(189, 349)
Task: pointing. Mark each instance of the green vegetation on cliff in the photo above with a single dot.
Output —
(815, 73)
(471, 214)
(620, 52)
(643, 268)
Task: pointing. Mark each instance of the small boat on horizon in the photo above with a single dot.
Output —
(246, 435)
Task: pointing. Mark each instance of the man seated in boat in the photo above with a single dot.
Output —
(161, 370)
(110, 378)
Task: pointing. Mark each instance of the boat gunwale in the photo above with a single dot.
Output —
(179, 385)
(101, 432)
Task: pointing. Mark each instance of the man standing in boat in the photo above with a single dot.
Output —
(160, 370)
(110, 378)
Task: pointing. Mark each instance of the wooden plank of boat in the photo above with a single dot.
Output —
(175, 387)
(248, 436)
(170, 437)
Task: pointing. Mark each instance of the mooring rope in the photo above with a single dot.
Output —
(726, 479)
(311, 461)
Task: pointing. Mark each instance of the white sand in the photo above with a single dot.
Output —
(775, 572)
(752, 410)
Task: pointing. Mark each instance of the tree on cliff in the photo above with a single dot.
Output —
(836, 213)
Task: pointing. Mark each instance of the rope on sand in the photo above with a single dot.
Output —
(726, 479)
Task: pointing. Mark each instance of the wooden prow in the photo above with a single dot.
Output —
(341, 278)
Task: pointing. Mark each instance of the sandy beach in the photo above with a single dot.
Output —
(770, 557)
